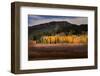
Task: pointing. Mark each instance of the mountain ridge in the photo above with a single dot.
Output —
(56, 27)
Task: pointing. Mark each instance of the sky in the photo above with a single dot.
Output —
(39, 19)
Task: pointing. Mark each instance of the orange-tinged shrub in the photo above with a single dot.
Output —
(70, 39)
(76, 40)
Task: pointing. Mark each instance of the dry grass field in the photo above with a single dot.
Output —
(57, 51)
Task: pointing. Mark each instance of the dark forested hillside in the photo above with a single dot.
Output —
(55, 28)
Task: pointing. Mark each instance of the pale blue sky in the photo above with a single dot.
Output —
(39, 19)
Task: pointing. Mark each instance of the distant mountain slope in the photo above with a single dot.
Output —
(55, 28)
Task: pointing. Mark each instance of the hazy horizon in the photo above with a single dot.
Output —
(40, 19)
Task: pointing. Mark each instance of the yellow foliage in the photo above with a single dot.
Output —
(65, 39)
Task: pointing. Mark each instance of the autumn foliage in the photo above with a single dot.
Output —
(64, 39)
